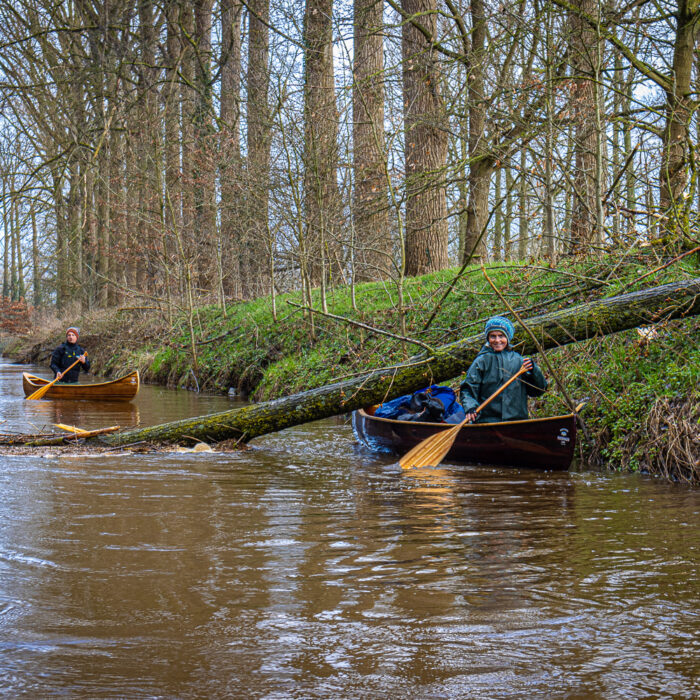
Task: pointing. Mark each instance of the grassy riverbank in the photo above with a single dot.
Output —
(643, 395)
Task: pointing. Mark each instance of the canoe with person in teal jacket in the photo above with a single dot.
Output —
(495, 364)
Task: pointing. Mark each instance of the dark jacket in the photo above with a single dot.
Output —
(64, 356)
(487, 373)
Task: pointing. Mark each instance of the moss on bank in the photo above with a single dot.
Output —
(643, 396)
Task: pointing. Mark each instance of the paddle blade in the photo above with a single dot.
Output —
(40, 392)
(431, 451)
(71, 428)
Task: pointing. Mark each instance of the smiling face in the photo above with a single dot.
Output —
(498, 341)
(71, 337)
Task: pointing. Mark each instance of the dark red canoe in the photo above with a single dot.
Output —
(544, 443)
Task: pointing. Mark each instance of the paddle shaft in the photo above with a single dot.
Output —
(42, 390)
(432, 450)
(486, 402)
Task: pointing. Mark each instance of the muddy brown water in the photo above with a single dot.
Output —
(307, 567)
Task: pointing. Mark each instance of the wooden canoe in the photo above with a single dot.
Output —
(543, 443)
(122, 389)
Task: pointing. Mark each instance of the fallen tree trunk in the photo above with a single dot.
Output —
(582, 322)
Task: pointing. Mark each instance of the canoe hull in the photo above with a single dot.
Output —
(122, 389)
(542, 443)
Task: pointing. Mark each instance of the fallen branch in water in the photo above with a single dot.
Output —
(47, 440)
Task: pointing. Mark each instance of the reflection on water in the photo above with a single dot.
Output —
(84, 414)
(307, 567)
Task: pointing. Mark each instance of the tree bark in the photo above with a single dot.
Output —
(36, 263)
(6, 241)
(426, 143)
(257, 240)
(230, 145)
(584, 51)
(143, 236)
(373, 257)
(204, 176)
(321, 196)
(186, 68)
(673, 175)
(670, 301)
(480, 168)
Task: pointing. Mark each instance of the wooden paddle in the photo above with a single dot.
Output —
(432, 450)
(42, 390)
(71, 429)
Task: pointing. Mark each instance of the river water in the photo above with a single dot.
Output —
(307, 567)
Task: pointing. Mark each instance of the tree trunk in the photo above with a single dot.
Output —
(6, 241)
(673, 175)
(321, 196)
(20, 286)
(36, 264)
(74, 232)
(257, 239)
(549, 155)
(584, 51)
(186, 67)
(61, 249)
(670, 301)
(230, 145)
(523, 213)
(496, 251)
(204, 176)
(373, 258)
(143, 237)
(14, 234)
(172, 166)
(510, 206)
(426, 144)
(480, 168)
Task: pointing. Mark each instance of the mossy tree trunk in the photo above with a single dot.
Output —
(671, 301)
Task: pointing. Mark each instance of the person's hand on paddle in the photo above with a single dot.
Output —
(471, 417)
(81, 359)
(528, 364)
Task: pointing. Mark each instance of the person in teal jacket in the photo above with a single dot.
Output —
(495, 364)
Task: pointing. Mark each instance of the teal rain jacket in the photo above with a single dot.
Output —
(487, 373)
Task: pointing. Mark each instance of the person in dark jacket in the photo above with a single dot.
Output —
(495, 364)
(66, 354)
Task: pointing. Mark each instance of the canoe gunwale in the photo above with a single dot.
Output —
(364, 412)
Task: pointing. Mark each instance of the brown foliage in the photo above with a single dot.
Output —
(673, 430)
(15, 316)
